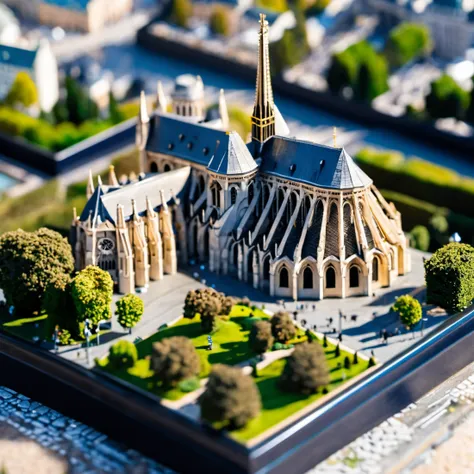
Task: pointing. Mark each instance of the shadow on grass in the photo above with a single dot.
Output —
(233, 353)
(274, 398)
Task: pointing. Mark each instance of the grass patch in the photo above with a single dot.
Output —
(24, 328)
(278, 405)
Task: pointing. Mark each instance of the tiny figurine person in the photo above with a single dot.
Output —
(56, 338)
(209, 343)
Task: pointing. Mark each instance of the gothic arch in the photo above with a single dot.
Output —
(332, 278)
(233, 195)
(153, 167)
(250, 192)
(283, 277)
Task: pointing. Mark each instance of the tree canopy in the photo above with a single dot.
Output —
(92, 290)
(449, 275)
(406, 42)
(409, 310)
(22, 91)
(260, 337)
(129, 310)
(181, 11)
(283, 328)
(420, 238)
(29, 263)
(231, 397)
(446, 99)
(219, 23)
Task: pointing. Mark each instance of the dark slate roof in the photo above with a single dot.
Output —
(310, 163)
(103, 203)
(80, 5)
(171, 135)
(19, 57)
(232, 157)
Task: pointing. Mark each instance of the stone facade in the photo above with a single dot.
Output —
(294, 218)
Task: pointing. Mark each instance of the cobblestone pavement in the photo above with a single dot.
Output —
(407, 442)
(78, 447)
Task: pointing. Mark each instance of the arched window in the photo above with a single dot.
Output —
(153, 167)
(266, 268)
(216, 194)
(202, 184)
(375, 269)
(307, 278)
(236, 254)
(166, 168)
(251, 192)
(330, 277)
(354, 276)
(233, 195)
(284, 278)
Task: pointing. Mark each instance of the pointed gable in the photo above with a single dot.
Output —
(232, 157)
(347, 174)
(95, 208)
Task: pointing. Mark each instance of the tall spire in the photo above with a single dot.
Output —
(263, 117)
(90, 185)
(161, 102)
(112, 178)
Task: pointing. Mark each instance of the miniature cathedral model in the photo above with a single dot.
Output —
(290, 217)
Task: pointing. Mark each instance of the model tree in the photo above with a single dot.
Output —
(181, 10)
(219, 22)
(449, 276)
(420, 238)
(409, 310)
(209, 313)
(22, 91)
(446, 99)
(29, 263)
(231, 397)
(306, 370)
(260, 337)
(115, 115)
(283, 328)
(92, 290)
(129, 311)
(208, 304)
(174, 359)
(123, 354)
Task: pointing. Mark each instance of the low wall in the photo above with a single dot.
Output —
(107, 142)
(352, 110)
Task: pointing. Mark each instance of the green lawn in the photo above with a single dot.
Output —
(230, 346)
(278, 405)
(24, 327)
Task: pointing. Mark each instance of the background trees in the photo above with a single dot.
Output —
(174, 359)
(22, 91)
(92, 290)
(408, 309)
(230, 397)
(420, 238)
(283, 328)
(449, 276)
(29, 263)
(406, 42)
(181, 10)
(219, 22)
(306, 370)
(260, 337)
(446, 99)
(129, 311)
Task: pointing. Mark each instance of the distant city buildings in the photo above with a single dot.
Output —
(40, 64)
(451, 27)
(80, 15)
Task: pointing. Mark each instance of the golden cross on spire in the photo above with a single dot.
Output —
(334, 136)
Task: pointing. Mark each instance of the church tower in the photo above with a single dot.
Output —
(263, 117)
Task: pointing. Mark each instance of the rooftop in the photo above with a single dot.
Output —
(19, 57)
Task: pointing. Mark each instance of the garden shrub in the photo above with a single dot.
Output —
(283, 328)
(174, 359)
(122, 354)
(347, 363)
(306, 370)
(420, 238)
(278, 346)
(231, 397)
(249, 321)
(65, 337)
(408, 309)
(189, 385)
(449, 276)
(260, 337)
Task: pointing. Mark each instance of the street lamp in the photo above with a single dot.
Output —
(455, 238)
(423, 320)
(98, 329)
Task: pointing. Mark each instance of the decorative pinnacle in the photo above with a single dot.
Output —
(334, 136)
(263, 22)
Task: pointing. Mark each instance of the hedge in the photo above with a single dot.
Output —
(416, 212)
(418, 178)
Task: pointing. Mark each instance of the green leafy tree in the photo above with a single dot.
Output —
(181, 11)
(406, 42)
(219, 22)
(420, 238)
(60, 112)
(209, 314)
(92, 290)
(209, 304)
(306, 370)
(449, 276)
(80, 107)
(347, 363)
(337, 351)
(29, 263)
(22, 91)
(129, 311)
(341, 72)
(260, 337)
(231, 397)
(123, 354)
(408, 309)
(174, 359)
(115, 114)
(446, 99)
(283, 328)
(439, 228)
